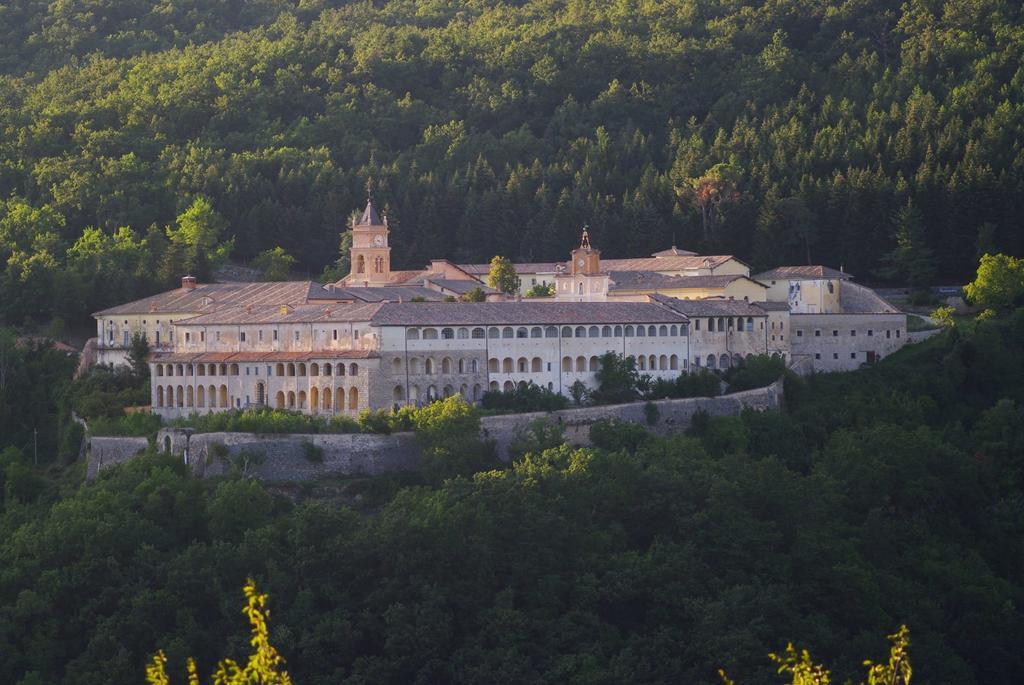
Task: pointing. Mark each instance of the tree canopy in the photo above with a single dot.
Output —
(779, 132)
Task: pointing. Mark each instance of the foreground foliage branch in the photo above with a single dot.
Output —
(804, 671)
(265, 664)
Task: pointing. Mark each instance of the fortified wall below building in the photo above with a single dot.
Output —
(382, 338)
(285, 457)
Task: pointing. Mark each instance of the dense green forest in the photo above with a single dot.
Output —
(499, 128)
(890, 495)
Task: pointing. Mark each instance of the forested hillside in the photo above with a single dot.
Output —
(494, 127)
(885, 496)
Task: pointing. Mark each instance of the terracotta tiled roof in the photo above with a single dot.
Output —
(673, 263)
(800, 273)
(773, 306)
(394, 278)
(310, 313)
(521, 267)
(709, 307)
(665, 262)
(521, 313)
(207, 297)
(460, 287)
(857, 299)
(385, 293)
(633, 280)
(673, 252)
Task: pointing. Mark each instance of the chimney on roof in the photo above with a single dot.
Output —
(188, 282)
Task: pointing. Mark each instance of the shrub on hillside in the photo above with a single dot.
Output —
(524, 397)
(755, 372)
(106, 391)
(449, 433)
(137, 423)
(538, 436)
(614, 435)
(701, 383)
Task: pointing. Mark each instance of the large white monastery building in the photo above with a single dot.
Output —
(381, 338)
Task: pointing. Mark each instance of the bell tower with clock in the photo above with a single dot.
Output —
(370, 254)
(585, 259)
(583, 280)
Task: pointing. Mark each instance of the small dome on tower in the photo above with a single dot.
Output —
(370, 216)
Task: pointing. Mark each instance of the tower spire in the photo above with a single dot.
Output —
(585, 240)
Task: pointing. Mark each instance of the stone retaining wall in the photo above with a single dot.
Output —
(305, 457)
(107, 451)
(673, 415)
(294, 457)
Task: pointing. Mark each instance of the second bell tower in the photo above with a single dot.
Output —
(371, 255)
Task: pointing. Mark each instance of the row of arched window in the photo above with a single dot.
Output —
(318, 400)
(509, 386)
(299, 369)
(197, 369)
(431, 393)
(431, 367)
(187, 396)
(521, 365)
(721, 323)
(506, 332)
(279, 369)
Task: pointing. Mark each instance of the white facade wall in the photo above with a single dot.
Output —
(724, 339)
(500, 357)
(842, 342)
(807, 296)
(184, 388)
(115, 331)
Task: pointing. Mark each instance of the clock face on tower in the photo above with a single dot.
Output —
(378, 240)
(579, 263)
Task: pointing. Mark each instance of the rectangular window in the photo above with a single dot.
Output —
(158, 337)
(247, 371)
(817, 355)
(241, 336)
(126, 338)
(871, 333)
(853, 355)
(897, 332)
(259, 335)
(853, 334)
(549, 366)
(335, 333)
(275, 335)
(835, 333)
(696, 325)
(888, 334)
(817, 333)
(188, 337)
(835, 355)
(799, 334)
(297, 336)
(356, 334)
